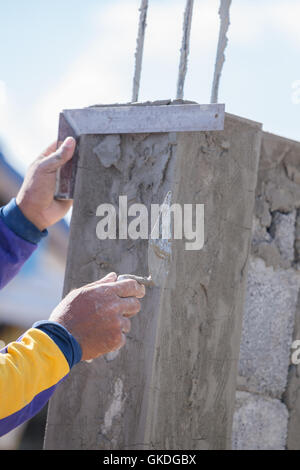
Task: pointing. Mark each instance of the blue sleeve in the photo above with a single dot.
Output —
(18, 240)
(66, 342)
(31, 367)
(14, 218)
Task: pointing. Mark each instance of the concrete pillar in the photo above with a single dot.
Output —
(173, 385)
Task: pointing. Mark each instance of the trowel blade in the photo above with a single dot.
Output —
(159, 248)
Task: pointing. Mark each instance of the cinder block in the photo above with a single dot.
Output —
(259, 423)
(268, 323)
(283, 231)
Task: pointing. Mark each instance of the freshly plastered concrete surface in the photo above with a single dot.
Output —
(194, 374)
(173, 385)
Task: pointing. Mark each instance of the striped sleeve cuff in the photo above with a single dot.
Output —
(31, 368)
(66, 342)
(13, 217)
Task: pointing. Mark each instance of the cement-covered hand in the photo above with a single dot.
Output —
(36, 196)
(98, 314)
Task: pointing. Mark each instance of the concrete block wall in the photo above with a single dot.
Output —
(267, 412)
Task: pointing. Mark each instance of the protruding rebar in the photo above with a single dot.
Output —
(185, 47)
(222, 43)
(139, 50)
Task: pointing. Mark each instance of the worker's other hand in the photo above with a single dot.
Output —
(98, 314)
(36, 196)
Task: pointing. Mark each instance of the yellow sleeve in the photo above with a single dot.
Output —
(30, 370)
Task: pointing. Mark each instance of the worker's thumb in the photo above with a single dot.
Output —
(64, 153)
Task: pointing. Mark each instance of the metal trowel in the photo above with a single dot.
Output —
(159, 249)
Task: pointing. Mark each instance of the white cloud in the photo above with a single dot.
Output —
(18, 143)
(104, 71)
(284, 17)
(3, 95)
(252, 24)
(101, 74)
(296, 92)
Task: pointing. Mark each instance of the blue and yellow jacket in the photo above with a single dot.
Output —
(32, 366)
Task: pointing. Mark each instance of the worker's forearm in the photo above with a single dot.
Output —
(30, 370)
(18, 240)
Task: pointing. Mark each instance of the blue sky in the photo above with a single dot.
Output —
(74, 53)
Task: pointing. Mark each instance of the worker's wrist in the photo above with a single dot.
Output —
(32, 212)
(66, 342)
(14, 218)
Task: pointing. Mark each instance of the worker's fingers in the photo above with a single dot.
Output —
(111, 277)
(50, 149)
(125, 324)
(122, 342)
(64, 206)
(126, 288)
(129, 306)
(58, 158)
(129, 288)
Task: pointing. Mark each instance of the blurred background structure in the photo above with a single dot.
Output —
(32, 295)
(39, 282)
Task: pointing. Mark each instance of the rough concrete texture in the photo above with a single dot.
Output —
(297, 240)
(172, 386)
(283, 232)
(278, 184)
(277, 199)
(292, 394)
(268, 324)
(271, 318)
(260, 423)
(185, 47)
(222, 44)
(139, 50)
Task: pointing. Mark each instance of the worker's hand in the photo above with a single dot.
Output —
(98, 314)
(36, 196)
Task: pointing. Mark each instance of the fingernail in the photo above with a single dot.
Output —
(69, 142)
